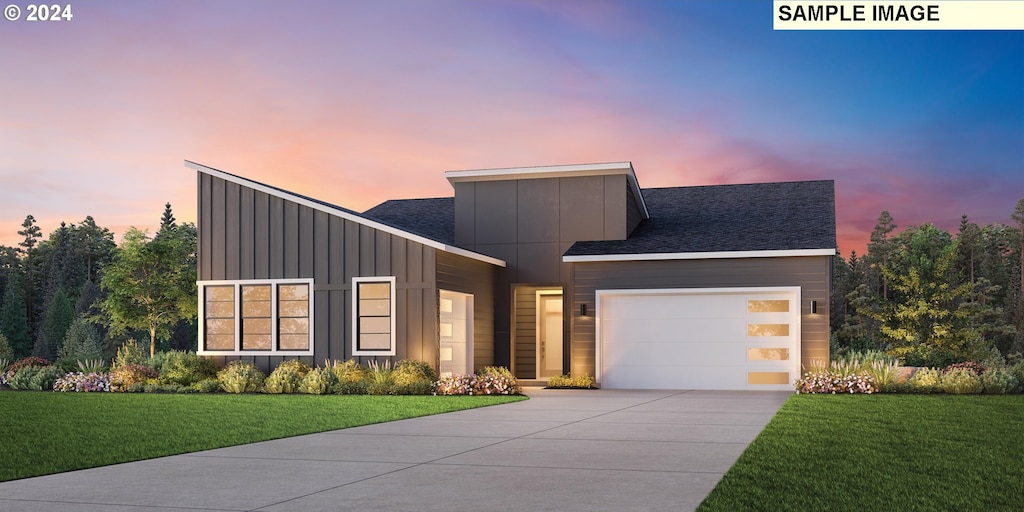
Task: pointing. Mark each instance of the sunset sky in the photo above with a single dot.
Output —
(358, 102)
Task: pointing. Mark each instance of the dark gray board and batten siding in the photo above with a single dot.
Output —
(248, 234)
(811, 273)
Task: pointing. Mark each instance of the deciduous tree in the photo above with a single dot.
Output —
(150, 284)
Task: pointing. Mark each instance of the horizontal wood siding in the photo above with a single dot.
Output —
(525, 332)
(811, 273)
(463, 275)
(248, 234)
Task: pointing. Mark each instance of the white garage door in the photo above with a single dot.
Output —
(725, 338)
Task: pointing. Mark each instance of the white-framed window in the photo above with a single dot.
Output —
(373, 316)
(256, 317)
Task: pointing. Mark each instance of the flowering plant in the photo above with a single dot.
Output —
(978, 369)
(489, 381)
(831, 382)
(123, 377)
(83, 383)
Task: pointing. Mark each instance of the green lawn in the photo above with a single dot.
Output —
(46, 432)
(882, 452)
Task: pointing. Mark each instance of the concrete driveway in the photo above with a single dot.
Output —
(561, 450)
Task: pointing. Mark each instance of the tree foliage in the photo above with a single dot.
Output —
(932, 298)
(150, 284)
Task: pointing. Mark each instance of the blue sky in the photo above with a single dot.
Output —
(358, 102)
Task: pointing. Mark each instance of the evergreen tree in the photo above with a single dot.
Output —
(81, 342)
(167, 221)
(1018, 215)
(95, 247)
(56, 321)
(880, 249)
(968, 240)
(14, 320)
(31, 232)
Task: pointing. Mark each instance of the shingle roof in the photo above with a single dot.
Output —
(432, 218)
(726, 218)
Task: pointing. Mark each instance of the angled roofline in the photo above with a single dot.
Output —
(341, 212)
(554, 171)
(663, 256)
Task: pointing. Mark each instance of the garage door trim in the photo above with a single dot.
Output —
(603, 295)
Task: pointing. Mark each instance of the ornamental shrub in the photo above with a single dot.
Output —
(186, 368)
(349, 371)
(491, 380)
(203, 386)
(381, 378)
(412, 377)
(129, 353)
(286, 377)
(961, 381)
(1017, 370)
(6, 352)
(45, 378)
(836, 383)
(319, 381)
(497, 380)
(83, 382)
(22, 378)
(977, 368)
(584, 381)
(131, 377)
(241, 377)
(926, 380)
(998, 381)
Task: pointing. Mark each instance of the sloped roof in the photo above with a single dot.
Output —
(761, 217)
(756, 218)
(395, 229)
(433, 218)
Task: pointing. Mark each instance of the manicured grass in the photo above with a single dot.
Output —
(46, 432)
(882, 452)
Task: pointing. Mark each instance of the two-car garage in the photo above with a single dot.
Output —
(698, 338)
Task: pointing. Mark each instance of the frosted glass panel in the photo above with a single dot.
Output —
(374, 290)
(768, 306)
(767, 329)
(767, 377)
(374, 342)
(293, 342)
(767, 354)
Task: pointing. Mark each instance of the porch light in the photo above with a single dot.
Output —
(814, 307)
(583, 309)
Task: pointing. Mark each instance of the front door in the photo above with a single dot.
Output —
(455, 321)
(549, 333)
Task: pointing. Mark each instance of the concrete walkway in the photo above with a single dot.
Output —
(559, 451)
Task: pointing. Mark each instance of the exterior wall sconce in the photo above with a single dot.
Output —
(583, 309)
(814, 307)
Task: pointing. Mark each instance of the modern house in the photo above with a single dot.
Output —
(546, 270)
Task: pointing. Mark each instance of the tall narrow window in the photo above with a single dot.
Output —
(374, 316)
(257, 315)
(293, 314)
(219, 321)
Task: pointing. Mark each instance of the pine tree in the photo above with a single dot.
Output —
(968, 239)
(880, 249)
(81, 342)
(56, 321)
(31, 232)
(14, 319)
(167, 221)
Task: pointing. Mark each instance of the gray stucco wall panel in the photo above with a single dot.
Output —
(615, 217)
(537, 210)
(495, 219)
(581, 208)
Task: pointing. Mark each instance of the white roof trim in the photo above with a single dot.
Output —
(344, 214)
(554, 171)
(662, 256)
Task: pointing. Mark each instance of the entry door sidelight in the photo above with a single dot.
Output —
(549, 334)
